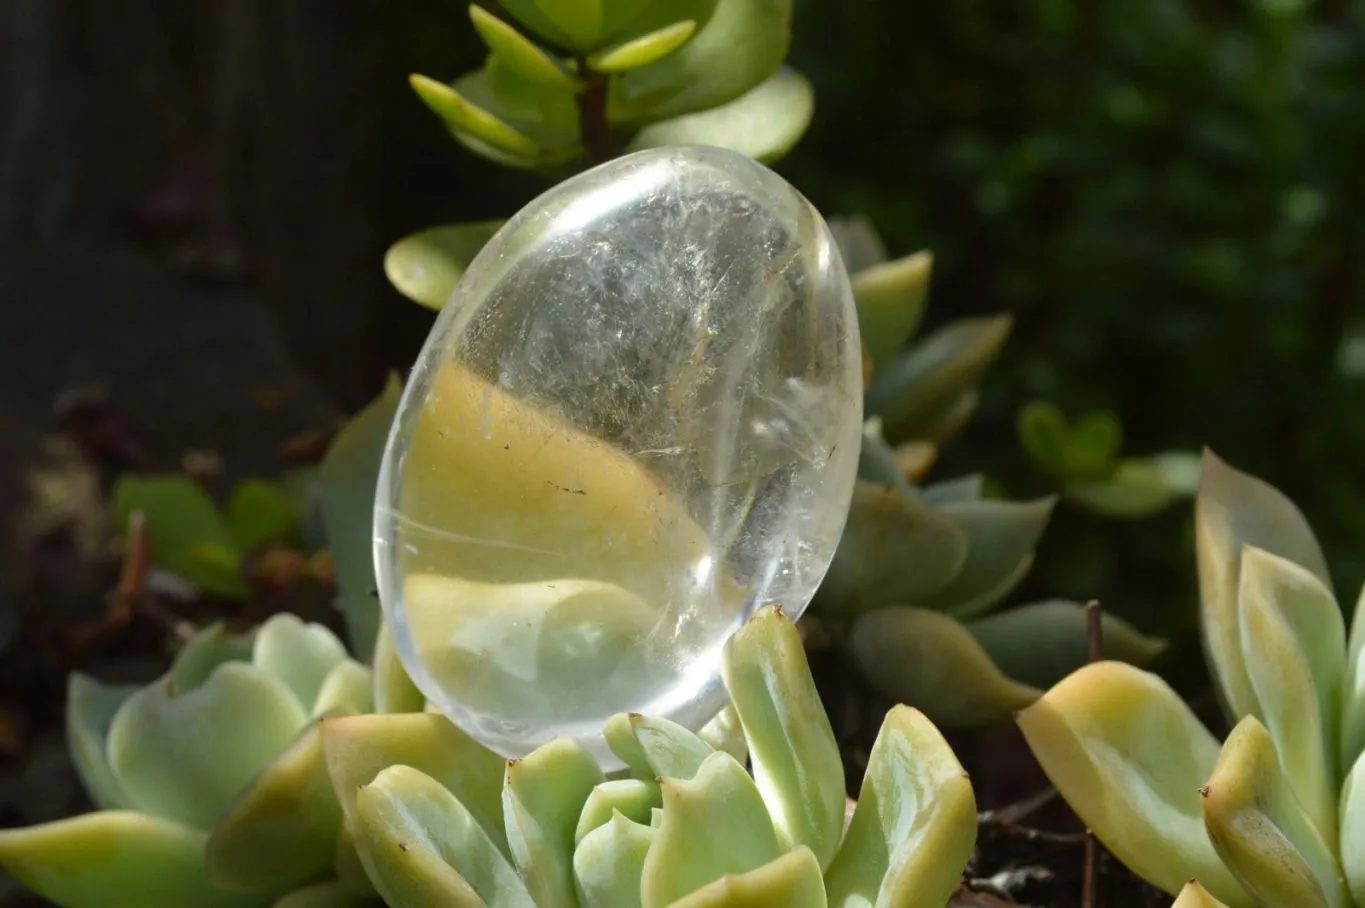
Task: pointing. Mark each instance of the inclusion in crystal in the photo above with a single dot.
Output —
(636, 422)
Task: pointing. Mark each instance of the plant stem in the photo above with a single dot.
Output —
(592, 114)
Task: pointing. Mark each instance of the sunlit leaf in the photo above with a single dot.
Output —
(1136, 489)
(211, 647)
(642, 50)
(299, 655)
(425, 266)
(1352, 830)
(347, 690)
(1196, 896)
(792, 881)
(517, 51)
(930, 661)
(725, 732)
(654, 747)
(463, 114)
(1261, 832)
(633, 799)
(182, 522)
(1353, 692)
(1129, 756)
(915, 824)
(610, 861)
(258, 513)
(1001, 539)
(891, 298)
(394, 691)
(90, 711)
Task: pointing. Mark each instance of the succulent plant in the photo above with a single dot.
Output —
(1274, 816)
(920, 565)
(209, 782)
(438, 819)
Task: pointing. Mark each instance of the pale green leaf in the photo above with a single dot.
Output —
(915, 824)
(634, 799)
(930, 661)
(116, 859)
(425, 266)
(791, 881)
(581, 20)
(90, 711)
(1261, 832)
(1353, 692)
(1352, 838)
(461, 113)
(764, 123)
(860, 246)
(331, 894)
(655, 747)
(394, 691)
(182, 524)
(1196, 896)
(350, 477)
(211, 647)
(714, 824)
(424, 848)
(258, 513)
(795, 758)
(878, 463)
(530, 61)
(954, 491)
(724, 732)
(642, 50)
(1001, 539)
(347, 690)
(185, 757)
(542, 799)
(609, 863)
(1129, 757)
(891, 297)
(298, 655)
(1233, 510)
(1135, 490)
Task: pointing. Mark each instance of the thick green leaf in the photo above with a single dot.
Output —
(1233, 510)
(394, 691)
(915, 824)
(1136, 489)
(795, 758)
(634, 799)
(461, 113)
(424, 848)
(891, 297)
(542, 799)
(350, 476)
(425, 266)
(791, 881)
(1001, 539)
(347, 690)
(1352, 815)
(90, 711)
(610, 861)
(742, 44)
(1041, 643)
(923, 384)
(331, 894)
(258, 513)
(211, 647)
(1353, 689)
(1045, 436)
(929, 660)
(281, 830)
(1129, 757)
(725, 732)
(548, 117)
(764, 123)
(642, 50)
(298, 655)
(655, 747)
(1294, 644)
(1196, 896)
(116, 859)
(713, 824)
(860, 246)
(1261, 832)
(521, 54)
(878, 463)
(954, 491)
(183, 525)
(185, 757)
(895, 549)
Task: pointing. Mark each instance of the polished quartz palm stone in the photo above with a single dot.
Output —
(636, 422)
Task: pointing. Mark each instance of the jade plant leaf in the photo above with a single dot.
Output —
(1084, 452)
(280, 831)
(1136, 489)
(424, 847)
(1129, 756)
(610, 861)
(891, 298)
(1001, 538)
(895, 549)
(1352, 825)
(90, 710)
(642, 50)
(300, 655)
(654, 747)
(349, 477)
(929, 660)
(186, 532)
(792, 881)
(394, 691)
(542, 800)
(914, 828)
(1196, 896)
(792, 750)
(116, 859)
(466, 116)
(714, 824)
(764, 123)
(184, 757)
(522, 55)
(1261, 832)
(634, 799)
(425, 266)
(258, 513)
(918, 387)
(1233, 510)
(1041, 643)
(331, 894)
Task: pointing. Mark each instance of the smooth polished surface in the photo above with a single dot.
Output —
(637, 421)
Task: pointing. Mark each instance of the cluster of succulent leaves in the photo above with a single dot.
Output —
(1275, 815)
(255, 774)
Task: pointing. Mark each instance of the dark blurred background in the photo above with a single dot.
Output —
(195, 200)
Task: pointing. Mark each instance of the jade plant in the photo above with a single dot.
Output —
(438, 819)
(1275, 815)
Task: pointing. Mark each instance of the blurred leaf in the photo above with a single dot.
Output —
(878, 462)
(860, 245)
(1234, 510)
(714, 824)
(299, 655)
(542, 798)
(1001, 539)
(347, 690)
(394, 691)
(792, 881)
(258, 513)
(115, 859)
(211, 647)
(891, 298)
(952, 491)
(426, 266)
(1044, 435)
(724, 732)
(1040, 644)
(461, 113)
(90, 710)
(1135, 490)
(930, 661)
(655, 747)
(424, 847)
(609, 863)
(633, 799)
(184, 527)
(521, 54)
(792, 751)
(1179, 470)
(894, 549)
(914, 828)
(1129, 757)
(1352, 841)
(642, 50)
(923, 383)
(328, 895)
(948, 422)
(764, 123)
(1196, 896)
(350, 478)
(1260, 831)
(1353, 690)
